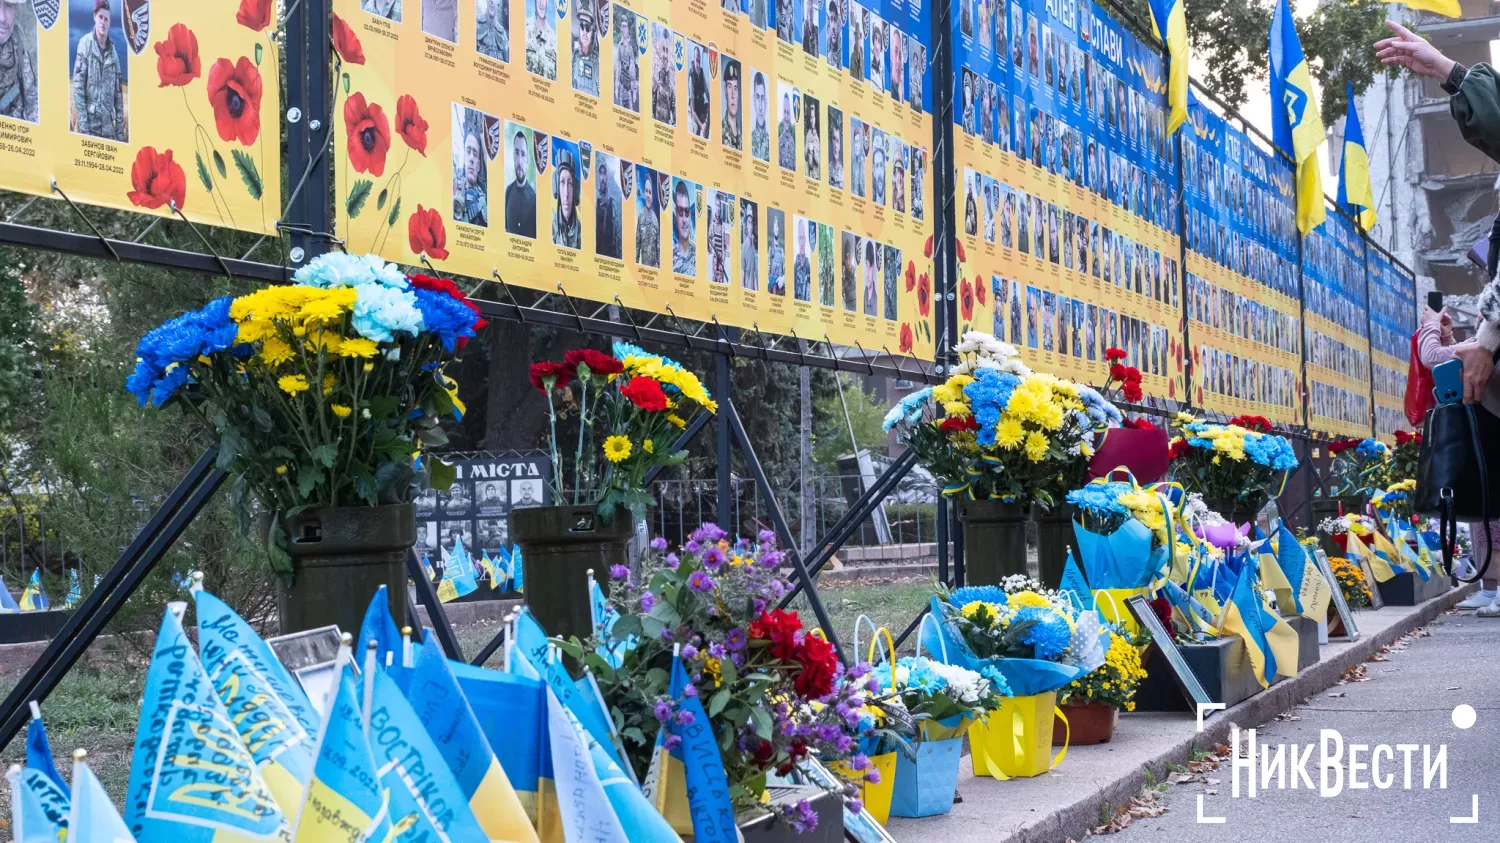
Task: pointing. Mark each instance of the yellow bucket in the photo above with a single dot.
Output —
(1016, 741)
(876, 797)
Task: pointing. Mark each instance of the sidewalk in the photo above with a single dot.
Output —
(1069, 801)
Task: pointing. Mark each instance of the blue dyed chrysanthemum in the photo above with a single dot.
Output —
(984, 593)
(988, 396)
(1102, 499)
(1050, 636)
(445, 316)
(166, 352)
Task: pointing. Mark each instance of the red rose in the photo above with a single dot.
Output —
(234, 92)
(1402, 437)
(410, 125)
(779, 628)
(1132, 391)
(1112, 354)
(255, 14)
(965, 300)
(1116, 372)
(157, 179)
(177, 61)
(819, 667)
(924, 295)
(540, 372)
(369, 134)
(346, 43)
(958, 424)
(426, 235)
(911, 276)
(645, 393)
(979, 290)
(1180, 448)
(906, 338)
(598, 362)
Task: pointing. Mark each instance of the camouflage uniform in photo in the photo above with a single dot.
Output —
(98, 96)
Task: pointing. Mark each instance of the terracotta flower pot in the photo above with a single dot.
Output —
(1090, 723)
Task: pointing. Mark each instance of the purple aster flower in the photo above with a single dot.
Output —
(873, 685)
(872, 776)
(713, 558)
(671, 743)
(828, 732)
(717, 651)
(859, 670)
(805, 819)
(842, 744)
(767, 538)
(692, 690)
(689, 652)
(663, 711)
(686, 718)
(691, 546)
(618, 572)
(758, 607)
(742, 545)
(709, 532)
(735, 639)
(858, 762)
(772, 559)
(856, 806)
(841, 710)
(701, 582)
(738, 657)
(647, 601)
(672, 561)
(658, 543)
(666, 635)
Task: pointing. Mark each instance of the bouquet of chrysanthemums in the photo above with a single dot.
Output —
(1229, 462)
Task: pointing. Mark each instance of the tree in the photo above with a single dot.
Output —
(866, 416)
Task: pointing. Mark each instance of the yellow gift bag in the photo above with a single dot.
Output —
(877, 796)
(1114, 610)
(1016, 741)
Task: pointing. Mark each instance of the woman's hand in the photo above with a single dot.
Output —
(1413, 52)
(1479, 364)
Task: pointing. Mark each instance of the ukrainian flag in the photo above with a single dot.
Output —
(1381, 567)
(39, 749)
(34, 599)
(271, 711)
(1269, 642)
(1356, 197)
(344, 802)
(511, 712)
(532, 652)
(1296, 126)
(39, 808)
(458, 574)
(75, 589)
(1075, 582)
(192, 780)
(584, 809)
(1446, 8)
(7, 600)
(1271, 574)
(687, 766)
(1308, 591)
(93, 818)
(440, 703)
(1170, 17)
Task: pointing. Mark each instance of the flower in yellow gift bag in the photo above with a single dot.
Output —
(1016, 741)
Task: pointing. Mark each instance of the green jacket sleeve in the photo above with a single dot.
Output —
(1476, 109)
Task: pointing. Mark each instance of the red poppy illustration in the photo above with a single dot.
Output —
(255, 14)
(424, 230)
(961, 256)
(1171, 389)
(979, 289)
(906, 338)
(911, 276)
(927, 250)
(234, 91)
(965, 300)
(346, 43)
(369, 134)
(157, 179)
(924, 295)
(410, 125)
(1200, 395)
(177, 61)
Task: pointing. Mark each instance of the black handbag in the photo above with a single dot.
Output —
(1454, 480)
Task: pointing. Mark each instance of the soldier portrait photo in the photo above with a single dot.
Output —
(877, 53)
(647, 217)
(835, 148)
(786, 21)
(683, 207)
(807, 231)
(877, 166)
(492, 497)
(918, 167)
(586, 26)
(440, 19)
(835, 27)
(859, 21)
(810, 43)
(720, 219)
(492, 28)
(456, 501)
(760, 108)
(730, 105)
(898, 63)
(812, 142)
(697, 89)
(609, 206)
(776, 251)
(100, 73)
(871, 267)
(470, 167)
(18, 44)
(567, 184)
(825, 264)
(786, 132)
(756, 9)
(892, 273)
(749, 245)
(898, 177)
(859, 138)
(849, 273)
(525, 493)
(520, 181)
(627, 59)
(663, 76)
(916, 66)
(388, 9)
(541, 40)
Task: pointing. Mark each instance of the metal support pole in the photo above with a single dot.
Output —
(309, 63)
(725, 492)
(427, 597)
(109, 596)
(783, 530)
(956, 529)
(940, 526)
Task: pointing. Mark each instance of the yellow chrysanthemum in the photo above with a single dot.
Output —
(1024, 599)
(328, 306)
(281, 469)
(957, 409)
(274, 352)
(341, 411)
(255, 330)
(328, 383)
(617, 448)
(1186, 418)
(711, 667)
(358, 347)
(293, 384)
(1009, 434)
(1051, 416)
(1036, 446)
(648, 446)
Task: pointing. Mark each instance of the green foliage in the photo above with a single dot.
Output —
(831, 431)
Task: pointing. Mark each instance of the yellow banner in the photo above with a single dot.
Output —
(685, 157)
(144, 106)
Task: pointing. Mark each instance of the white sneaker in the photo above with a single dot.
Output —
(1477, 600)
(1490, 611)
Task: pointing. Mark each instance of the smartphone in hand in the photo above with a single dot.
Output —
(1448, 382)
(1434, 300)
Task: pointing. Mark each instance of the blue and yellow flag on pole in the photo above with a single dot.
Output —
(1169, 20)
(1356, 196)
(344, 802)
(510, 709)
(93, 818)
(1296, 126)
(458, 574)
(275, 719)
(39, 808)
(1309, 591)
(440, 704)
(687, 762)
(1270, 643)
(34, 599)
(1446, 8)
(39, 749)
(1074, 581)
(192, 780)
(584, 809)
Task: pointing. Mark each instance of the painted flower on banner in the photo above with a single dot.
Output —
(255, 14)
(410, 125)
(425, 232)
(906, 338)
(156, 179)
(177, 61)
(911, 276)
(369, 132)
(965, 300)
(924, 295)
(979, 292)
(346, 42)
(234, 90)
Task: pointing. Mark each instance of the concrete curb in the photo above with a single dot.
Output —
(1076, 819)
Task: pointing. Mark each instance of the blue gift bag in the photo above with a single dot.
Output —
(925, 787)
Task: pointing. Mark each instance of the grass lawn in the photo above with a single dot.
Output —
(892, 604)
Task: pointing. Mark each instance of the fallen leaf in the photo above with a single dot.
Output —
(1339, 694)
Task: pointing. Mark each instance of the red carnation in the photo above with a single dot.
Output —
(1180, 448)
(965, 300)
(177, 61)
(597, 362)
(778, 627)
(1163, 609)
(346, 43)
(1132, 374)
(560, 374)
(255, 14)
(645, 393)
(369, 133)
(819, 667)
(958, 424)
(1116, 372)
(1139, 424)
(906, 338)
(924, 295)
(1402, 437)
(234, 92)
(426, 235)
(157, 179)
(1132, 391)
(441, 285)
(410, 125)
(1112, 354)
